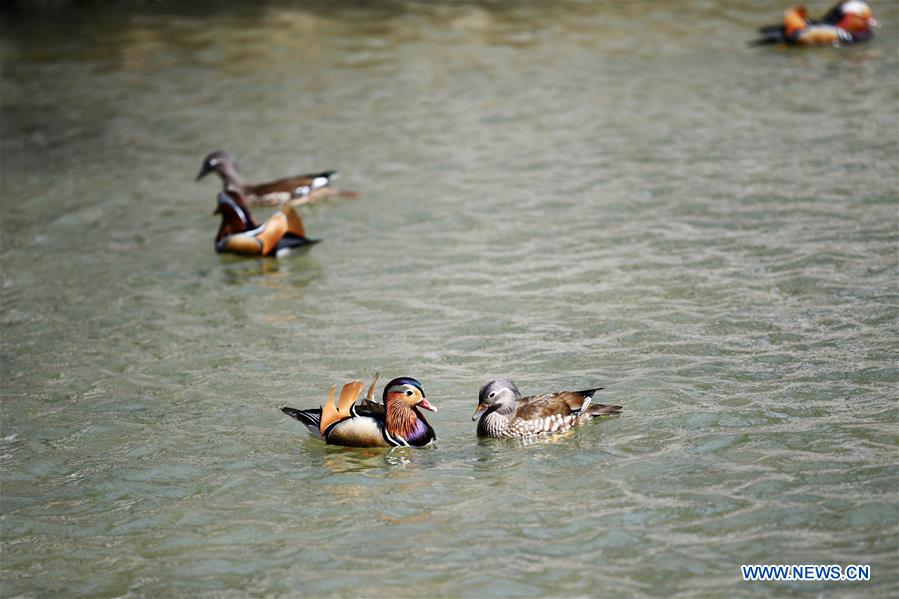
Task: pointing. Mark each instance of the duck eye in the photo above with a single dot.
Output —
(492, 395)
(409, 392)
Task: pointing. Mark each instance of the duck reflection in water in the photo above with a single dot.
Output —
(284, 276)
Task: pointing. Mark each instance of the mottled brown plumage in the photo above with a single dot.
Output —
(502, 412)
(296, 190)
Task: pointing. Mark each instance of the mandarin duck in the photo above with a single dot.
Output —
(847, 22)
(280, 236)
(503, 412)
(397, 421)
(300, 189)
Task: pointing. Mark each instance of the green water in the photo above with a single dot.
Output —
(564, 194)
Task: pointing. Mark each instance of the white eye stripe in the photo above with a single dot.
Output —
(401, 389)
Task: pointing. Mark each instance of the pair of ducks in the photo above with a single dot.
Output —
(847, 22)
(281, 235)
(398, 421)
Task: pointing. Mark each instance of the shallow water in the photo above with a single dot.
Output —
(568, 195)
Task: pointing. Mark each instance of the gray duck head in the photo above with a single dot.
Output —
(496, 394)
(218, 161)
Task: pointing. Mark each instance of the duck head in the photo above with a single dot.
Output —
(856, 16)
(236, 217)
(497, 395)
(406, 391)
(222, 163)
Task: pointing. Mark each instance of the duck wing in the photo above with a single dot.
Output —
(370, 409)
(563, 403)
(291, 184)
(542, 406)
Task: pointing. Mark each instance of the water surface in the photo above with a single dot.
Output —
(565, 194)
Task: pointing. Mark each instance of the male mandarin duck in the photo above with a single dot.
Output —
(396, 422)
(502, 412)
(280, 236)
(847, 22)
(300, 189)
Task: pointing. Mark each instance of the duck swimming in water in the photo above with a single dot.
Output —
(396, 422)
(281, 235)
(503, 412)
(296, 190)
(847, 22)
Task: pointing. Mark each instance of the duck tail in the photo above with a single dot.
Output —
(770, 34)
(322, 179)
(585, 403)
(311, 419)
(769, 38)
(599, 409)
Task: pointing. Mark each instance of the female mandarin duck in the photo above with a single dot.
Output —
(280, 236)
(502, 412)
(396, 422)
(847, 22)
(300, 189)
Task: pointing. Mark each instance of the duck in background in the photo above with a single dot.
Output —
(280, 236)
(296, 190)
(503, 412)
(847, 22)
(396, 422)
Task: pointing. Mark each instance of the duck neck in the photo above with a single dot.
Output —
(507, 408)
(236, 218)
(495, 422)
(401, 419)
(228, 174)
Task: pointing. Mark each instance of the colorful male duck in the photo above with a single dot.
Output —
(280, 236)
(396, 422)
(848, 22)
(300, 189)
(502, 412)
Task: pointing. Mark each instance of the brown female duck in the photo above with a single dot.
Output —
(503, 412)
(299, 189)
(396, 422)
